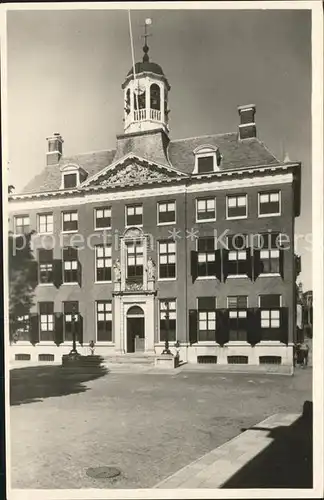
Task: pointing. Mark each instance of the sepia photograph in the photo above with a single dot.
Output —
(161, 209)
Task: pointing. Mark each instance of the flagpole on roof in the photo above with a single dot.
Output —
(132, 50)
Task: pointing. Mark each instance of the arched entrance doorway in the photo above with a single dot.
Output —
(135, 329)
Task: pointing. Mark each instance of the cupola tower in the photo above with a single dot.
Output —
(145, 95)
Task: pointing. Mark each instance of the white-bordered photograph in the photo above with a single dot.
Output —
(163, 249)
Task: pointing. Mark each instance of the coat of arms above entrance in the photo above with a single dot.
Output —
(134, 172)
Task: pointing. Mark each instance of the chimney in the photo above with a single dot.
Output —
(247, 128)
(55, 149)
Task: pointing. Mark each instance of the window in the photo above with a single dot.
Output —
(206, 256)
(69, 181)
(205, 164)
(270, 315)
(167, 259)
(46, 311)
(206, 319)
(22, 224)
(207, 159)
(104, 321)
(205, 209)
(237, 306)
(71, 315)
(70, 221)
(168, 305)
(45, 223)
(270, 254)
(269, 203)
(166, 212)
(155, 96)
(134, 215)
(103, 263)
(22, 331)
(237, 255)
(103, 218)
(70, 265)
(45, 263)
(135, 261)
(236, 207)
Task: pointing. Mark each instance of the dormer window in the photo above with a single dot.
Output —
(72, 176)
(70, 181)
(207, 159)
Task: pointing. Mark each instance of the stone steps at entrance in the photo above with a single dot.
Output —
(129, 359)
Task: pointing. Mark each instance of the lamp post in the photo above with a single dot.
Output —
(166, 349)
(73, 320)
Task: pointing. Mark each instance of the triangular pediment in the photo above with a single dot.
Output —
(133, 171)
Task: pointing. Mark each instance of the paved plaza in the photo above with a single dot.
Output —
(148, 425)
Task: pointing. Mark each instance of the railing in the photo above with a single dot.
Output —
(139, 115)
(155, 114)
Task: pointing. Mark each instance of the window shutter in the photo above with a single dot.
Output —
(33, 328)
(193, 326)
(33, 273)
(44, 255)
(222, 326)
(281, 262)
(194, 265)
(57, 273)
(254, 325)
(218, 265)
(257, 264)
(297, 265)
(225, 263)
(79, 273)
(58, 334)
(249, 266)
(80, 329)
(284, 323)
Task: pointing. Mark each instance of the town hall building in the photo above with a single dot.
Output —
(190, 240)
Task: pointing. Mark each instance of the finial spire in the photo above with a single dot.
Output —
(147, 23)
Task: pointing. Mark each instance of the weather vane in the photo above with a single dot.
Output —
(147, 23)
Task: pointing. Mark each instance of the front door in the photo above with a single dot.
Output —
(135, 334)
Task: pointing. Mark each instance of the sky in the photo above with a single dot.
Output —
(66, 68)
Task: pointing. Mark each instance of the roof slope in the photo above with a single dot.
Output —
(235, 153)
(153, 146)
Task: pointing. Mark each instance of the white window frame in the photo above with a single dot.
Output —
(133, 205)
(95, 263)
(166, 202)
(23, 216)
(261, 294)
(206, 151)
(247, 301)
(62, 221)
(67, 170)
(209, 277)
(158, 260)
(246, 205)
(237, 342)
(104, 342)
(206, 342)
(239, 276)
(95, 218)
(274, 214)
(172, 299)
(45, 214)
(206, 199)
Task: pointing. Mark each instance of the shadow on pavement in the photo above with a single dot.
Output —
(32, 384)
(286, 463)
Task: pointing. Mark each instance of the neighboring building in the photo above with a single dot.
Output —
(153, 209)
(308, 313)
